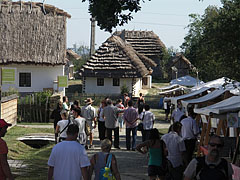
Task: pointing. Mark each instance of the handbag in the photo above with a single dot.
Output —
(105, 172)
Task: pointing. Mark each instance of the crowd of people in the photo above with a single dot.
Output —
(170, 156)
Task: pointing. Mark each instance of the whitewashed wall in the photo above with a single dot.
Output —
(137, 87)
(41, 77)
(108, 88)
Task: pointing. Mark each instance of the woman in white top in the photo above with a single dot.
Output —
(80, 121)
(62, 125)
(101, 121)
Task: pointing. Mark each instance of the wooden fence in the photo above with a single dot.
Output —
(32, 109)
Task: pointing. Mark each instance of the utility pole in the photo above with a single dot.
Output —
(92, 38)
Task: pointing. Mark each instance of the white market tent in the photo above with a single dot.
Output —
(169, 87)
(210, 96)
(185, 96)
(186, 81)
(171, 91)
(227, 105)
(220, 83)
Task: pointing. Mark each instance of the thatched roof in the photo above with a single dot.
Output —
(31, 33)
(178, 57)
(71, 54)
(144, 42)
(116, 58)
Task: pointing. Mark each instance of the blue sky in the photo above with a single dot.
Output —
(166, 18)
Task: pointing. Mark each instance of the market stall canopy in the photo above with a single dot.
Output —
(172, 91)
(185, 96)
(165, 88)
(226, 83)
(228, 105)
(186, 81)
(210, 96)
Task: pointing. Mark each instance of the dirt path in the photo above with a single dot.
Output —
(132, 165)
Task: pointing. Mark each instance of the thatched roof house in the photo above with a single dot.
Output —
(70, 56)
(146, 43)
(32, 33)
(116, 58)
(33, 42)
(182, 64)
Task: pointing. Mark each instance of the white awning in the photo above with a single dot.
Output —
(173, 90)
(168, 87)
(212, 95)
(194, 93)
(227, 105)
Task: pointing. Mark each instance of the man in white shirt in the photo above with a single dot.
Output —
(68, 159)
(175, 148)
(190, 131)
(147, 118)
(178, 112)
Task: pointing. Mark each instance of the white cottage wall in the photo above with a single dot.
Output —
(137, 87)
(41, 77)
(108, 88)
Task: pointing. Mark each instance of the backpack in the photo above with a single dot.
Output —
(216, 172)
(105, 172)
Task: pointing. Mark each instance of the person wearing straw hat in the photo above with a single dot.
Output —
(5, 172)
(89, 113)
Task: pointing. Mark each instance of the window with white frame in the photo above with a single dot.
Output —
(24, 79)
(116, 82)
(100, 81)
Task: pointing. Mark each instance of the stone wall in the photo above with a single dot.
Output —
(9, 109)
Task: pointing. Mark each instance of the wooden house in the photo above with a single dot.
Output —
(182, 66)
(33, 42)
(148, 44)
(114, 65)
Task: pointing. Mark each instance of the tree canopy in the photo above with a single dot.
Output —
(111, 13)
(213, 41)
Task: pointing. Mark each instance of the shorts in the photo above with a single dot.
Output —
(155, 170)
(90, 123)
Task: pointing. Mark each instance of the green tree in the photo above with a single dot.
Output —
(111, 13)
(212, 43)
(83, 51)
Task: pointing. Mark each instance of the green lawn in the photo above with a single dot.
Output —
(35, 159)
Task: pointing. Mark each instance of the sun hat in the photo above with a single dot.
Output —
(88, 101)
(3, 123)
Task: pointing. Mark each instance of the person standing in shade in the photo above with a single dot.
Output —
(110, 114)
(56, 115)
(5, 171)
(175, 148)
(65, 103)
(140, 103)
(80, 121)
(89, 113)
(147, 118)
(101, 121)
(178, 112)
(130, 117)
(126, 99)
(211, 166)
(68, 159)
(189, 133)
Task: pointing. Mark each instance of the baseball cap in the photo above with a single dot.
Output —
(3, 123)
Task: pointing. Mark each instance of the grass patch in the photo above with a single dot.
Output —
(154, 90)
(35, 159)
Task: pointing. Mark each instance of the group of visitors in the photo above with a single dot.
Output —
(170, 156)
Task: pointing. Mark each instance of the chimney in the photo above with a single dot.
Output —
(92, 38)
